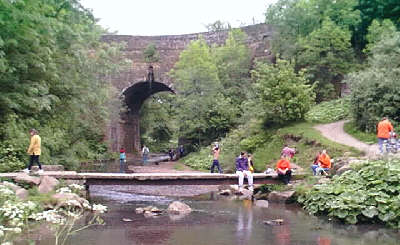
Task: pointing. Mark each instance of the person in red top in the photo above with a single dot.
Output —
(283, 170)
(324, 163)
(384, 128)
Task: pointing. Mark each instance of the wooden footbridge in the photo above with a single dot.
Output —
(155, 178)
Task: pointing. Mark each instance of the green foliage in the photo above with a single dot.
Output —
(370, 194)
(375, 10)
(200, 160)
(283, 93)
(151, 54)
(329, 111)
(233, 62)
(378, 31)
(328, 56)
(204, 112)
(375, 89)
(158, 123)
(366, 137)
(54, 77)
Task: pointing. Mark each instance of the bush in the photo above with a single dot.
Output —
(9, 160)
(329, 111)
(283, 93)
(375, 89)
(369, 194)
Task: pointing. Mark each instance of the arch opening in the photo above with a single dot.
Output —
(134, 97)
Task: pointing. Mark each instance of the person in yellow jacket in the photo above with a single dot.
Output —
(34, 150)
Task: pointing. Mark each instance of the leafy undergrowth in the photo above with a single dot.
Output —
(266, 145)
(329, 111)
(369, 194)
(366, 137)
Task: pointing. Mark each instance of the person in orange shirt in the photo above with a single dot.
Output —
(283, 170)
(324, 163)
(384, 128)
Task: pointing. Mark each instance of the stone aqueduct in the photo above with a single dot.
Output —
(123, 130)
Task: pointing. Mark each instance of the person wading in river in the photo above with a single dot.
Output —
(34, 151)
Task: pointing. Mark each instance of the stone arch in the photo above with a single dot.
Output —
(134, 97)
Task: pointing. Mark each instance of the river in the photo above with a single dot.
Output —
(217, 221)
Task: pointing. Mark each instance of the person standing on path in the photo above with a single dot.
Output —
(384, 128)
(242, 169)
(216, 150)
(122, 160)
(145, 154)
(181, 151)
(34, 151)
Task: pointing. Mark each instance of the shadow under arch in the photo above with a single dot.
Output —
(134, 97)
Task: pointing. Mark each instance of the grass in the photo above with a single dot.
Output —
(306, 139)
(351, 128)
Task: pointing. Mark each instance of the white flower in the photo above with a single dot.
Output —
(76, 186)
(64, 190)
(99, 208)
(73, 202)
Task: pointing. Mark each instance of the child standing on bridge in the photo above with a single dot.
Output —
(122, 160)
(145, 154)
(216, 150)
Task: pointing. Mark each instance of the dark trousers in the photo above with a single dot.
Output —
(285, 177)
(216, 164)
(33, 159)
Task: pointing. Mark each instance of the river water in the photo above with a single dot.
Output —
(215, 221)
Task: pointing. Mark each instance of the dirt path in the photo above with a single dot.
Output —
(334, 131)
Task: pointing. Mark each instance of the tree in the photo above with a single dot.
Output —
(196, 80)
(54, 77)
(284, 94)
(233, 61)
(375, 90)
(328, 56)
(377, 31)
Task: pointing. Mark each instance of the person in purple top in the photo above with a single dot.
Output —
(242, 169)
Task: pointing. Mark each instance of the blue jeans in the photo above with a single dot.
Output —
(216, 164)
(316, 168)
(380, 143)
(122, 165)
(144, 159)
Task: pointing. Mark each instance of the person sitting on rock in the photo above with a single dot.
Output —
(283, 170)
(242, 169)
(324, 164)
(315, 165)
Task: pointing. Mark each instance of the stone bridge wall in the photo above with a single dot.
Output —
(122, 130)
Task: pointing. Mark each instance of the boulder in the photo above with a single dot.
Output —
(68, 199)
(49, 168)
(261, 196)
(47, 184)
(283, 196)
(149, 214)
(262, 203)
(26, 179)
(10, 185)
(22, 194)
(225, 192)
(139, 210)
(177, 207)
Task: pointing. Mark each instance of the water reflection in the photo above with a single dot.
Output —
(244, 222)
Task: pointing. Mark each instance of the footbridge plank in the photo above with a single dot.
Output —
(156, 178)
